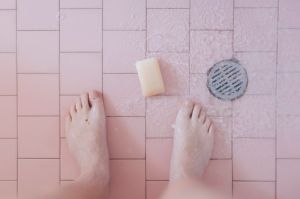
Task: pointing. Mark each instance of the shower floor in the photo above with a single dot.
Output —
(53, 50)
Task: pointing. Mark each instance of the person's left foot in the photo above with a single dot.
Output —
(86, 135)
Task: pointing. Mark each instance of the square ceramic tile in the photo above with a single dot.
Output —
(8, 4)
(121, 49)
(256, 3)
(253, 122)
(8, 69)
(69, 167)
(8, 31)
(37, 175)
(126, 137)
(38, 51)
(81, 3)
(218, 176)
(257, 190)
(8, 158)
(123, 95)
(38, 95)
(175, 71)
(288, 50)
(289, 13)
(121, 171)
(155, 189)
(249, 164)
(65, 104)
(168, 30)
(288, 94)
(200, 93)
(8, 189)
(288, 137)
(124, 15)
(261, 70)
(288, 179)
(208, 48)
(38, 137)
(158, 157)
(212, 14)
(81, 30)
(44, 15)
(222, 137)
(85, 68)
(168, 4)
(161, 115)
(255, 29)
(8, 107)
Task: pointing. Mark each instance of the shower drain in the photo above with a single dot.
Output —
(227, 80)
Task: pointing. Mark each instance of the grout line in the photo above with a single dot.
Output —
(255, 7)
(34, 73)
(190, 3)
(17, 102)
(232, 103)
(254, 138)
(288, 158)
(123, 30)
(8, 9)
(259, 8)
(80, 8)
(126, 158)
(254, 181)
(65, 52)
(59, 89)
(282, 28)
(210, 30)
(168, 8)
(34, 158)
(102, 48)
(276, 103)
(32, 30)
(38, 115)
(145, 141)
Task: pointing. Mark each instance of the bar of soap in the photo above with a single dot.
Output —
(150, 77)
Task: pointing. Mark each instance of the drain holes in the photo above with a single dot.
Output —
(227, 80)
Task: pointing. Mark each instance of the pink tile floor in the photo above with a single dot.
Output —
(53, 50)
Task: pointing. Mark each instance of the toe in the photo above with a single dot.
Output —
(211, 129)
(196, 111)
(187, 109)
(94, 97)
(78, 104)
(85, 101)
(96, 101)
(207, 123)
(72, 110)
(202, 116)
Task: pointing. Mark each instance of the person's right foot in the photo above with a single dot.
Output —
(193, 142)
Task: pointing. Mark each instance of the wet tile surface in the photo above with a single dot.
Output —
(51, 51)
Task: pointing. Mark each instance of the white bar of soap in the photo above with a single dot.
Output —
(150, 77)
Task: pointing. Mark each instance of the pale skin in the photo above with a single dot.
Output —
(86, 136)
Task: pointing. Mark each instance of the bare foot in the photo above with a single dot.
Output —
(193, 142)
(86, 136)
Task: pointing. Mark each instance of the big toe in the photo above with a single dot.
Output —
(96, 101)
(187, 109)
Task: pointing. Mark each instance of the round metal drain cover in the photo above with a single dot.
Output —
(227, 80)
